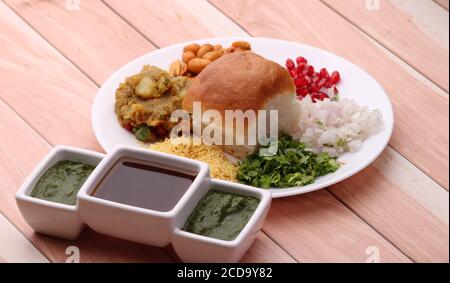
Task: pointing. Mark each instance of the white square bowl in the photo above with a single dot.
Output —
(52, 218)
(192, 247)
(146, 226)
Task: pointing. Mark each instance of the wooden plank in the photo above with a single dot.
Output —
(263, 250)
(99, 51)
(262, 247)
(442, 3)
(301, 225)
(65, 111)
(399, 30)
(409, 180)
(27, 60)
(415, 231)
(389, 166)
(175, 20)
(20, 150)
(15, 248)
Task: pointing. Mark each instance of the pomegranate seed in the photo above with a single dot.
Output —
(301, 82)
(290, 64)
(315, 78)
(319, 85)
(300, 68)
(336, 91)
(128, 126)
(314, 88)
(293, 74)
(301, 60)
(321, 82)
(310, 70)
(322, 96)
(302, 91)
(324, 73)
(314, 96)
(335, 77)
(308, 79)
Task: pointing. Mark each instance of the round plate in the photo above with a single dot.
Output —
(355, 84)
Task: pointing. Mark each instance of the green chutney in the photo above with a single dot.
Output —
(221, 215)
(61, 182)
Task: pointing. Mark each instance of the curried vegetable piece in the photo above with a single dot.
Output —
(147, 99)
(293, 165)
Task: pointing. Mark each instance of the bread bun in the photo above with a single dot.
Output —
(244, 81)
(239, 81)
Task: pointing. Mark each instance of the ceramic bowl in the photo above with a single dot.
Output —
(51, 218)
(142, 225)
(197, 248)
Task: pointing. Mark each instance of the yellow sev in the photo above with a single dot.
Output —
(221, 167)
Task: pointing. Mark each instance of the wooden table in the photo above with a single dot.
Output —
(54, 55)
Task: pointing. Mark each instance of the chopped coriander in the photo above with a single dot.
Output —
(293, 165)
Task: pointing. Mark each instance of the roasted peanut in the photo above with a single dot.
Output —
(177, 68)
(217, 47)
(244, 45)
(188, 56)
(205, 48)
(197, 65)
(194, 47)
(212, 55)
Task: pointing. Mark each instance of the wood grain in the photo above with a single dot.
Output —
(400, 32)
(175, 20)
(69, 111)
(14, 247)
(98, 51)
(413, 102)
(418, 233)
(307, 219)
(442, 3)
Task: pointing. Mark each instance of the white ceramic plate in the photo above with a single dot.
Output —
(355, 84)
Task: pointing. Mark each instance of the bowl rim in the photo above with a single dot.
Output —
(23, 193)
(121, 151)
(263, 206)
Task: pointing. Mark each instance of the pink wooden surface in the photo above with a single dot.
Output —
(53, 60)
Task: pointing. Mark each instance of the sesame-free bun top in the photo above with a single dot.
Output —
(239, 81)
